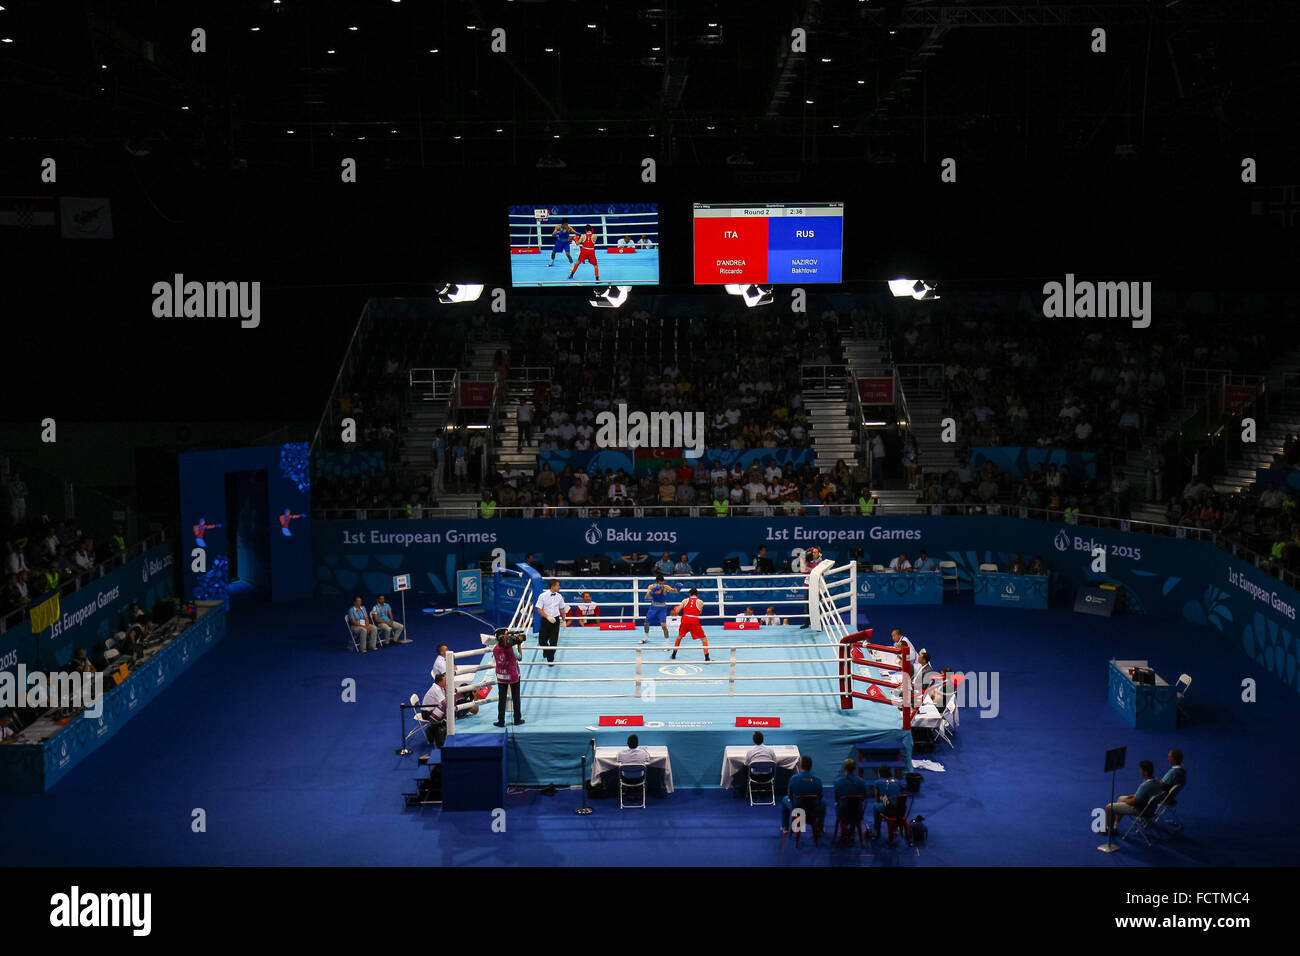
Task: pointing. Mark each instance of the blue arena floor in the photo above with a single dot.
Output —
(258, 736)
(679, 710)
(637, 268)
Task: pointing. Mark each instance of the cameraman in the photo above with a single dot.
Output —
(506, 657)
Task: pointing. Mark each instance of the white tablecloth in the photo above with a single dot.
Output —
(607, 759)
(927, 716)
(787, 756)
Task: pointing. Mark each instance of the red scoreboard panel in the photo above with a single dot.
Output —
(730, 249)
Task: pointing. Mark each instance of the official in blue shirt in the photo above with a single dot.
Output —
(1135, 802)
(925, 563)
(804, 784)
(1176, 775)
(886, 789)
(665, 564)
(359, 620)
(850, 794)
(381, 615)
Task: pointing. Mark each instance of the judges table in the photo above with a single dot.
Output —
(900, 587)
(1011, 590)
(1144, 706)
(733, 758)
(607, 762)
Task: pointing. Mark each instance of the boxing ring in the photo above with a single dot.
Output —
(603, 674)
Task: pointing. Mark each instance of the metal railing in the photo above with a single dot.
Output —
(330, 415)
(433, 384)
(71, 586)
(823, 377)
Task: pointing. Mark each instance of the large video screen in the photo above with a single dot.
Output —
(584, 244)
(769, 243)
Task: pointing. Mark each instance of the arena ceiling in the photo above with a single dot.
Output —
(693, 82)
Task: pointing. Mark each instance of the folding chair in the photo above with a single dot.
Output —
(1144, 818)
(945, 567)
(631, 777)
(849, 812)
(435, 731)
(1167, 812)
(1180, 691)
(992, 568)
(809, 804)
(947, 727)
(347, 622)
(895, 817)
(762, 774)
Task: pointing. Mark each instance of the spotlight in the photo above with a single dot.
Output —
(610, 297)
(917, 289)
(453, 292)
(754, 295)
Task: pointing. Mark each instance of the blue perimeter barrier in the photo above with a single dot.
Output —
(34, 768)
(1189, 580)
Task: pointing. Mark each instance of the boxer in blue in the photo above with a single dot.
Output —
(657, 613)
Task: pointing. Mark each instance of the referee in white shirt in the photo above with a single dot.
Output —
(760, 752)
(634, 754)
(552, 608)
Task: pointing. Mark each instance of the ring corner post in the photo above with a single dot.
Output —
(449, 688)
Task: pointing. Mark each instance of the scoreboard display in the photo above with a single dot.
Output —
(769, 243)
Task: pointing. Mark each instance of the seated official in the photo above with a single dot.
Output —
(850, 794)
(134, 616)
(760, 752)
(665, 564)
(440, 662)
(769, 618)
(434, 704)
(434, 709)
(887, 790)
(634, 754)
(925, 563)
(683, 566)
(900, 642)
(80, 663)
(133, 641)
(804, 784)
(6, 728)
(365, 632)
(586, 612)
(747, 616)
(900, 563)
(1037, 567)
(381, 615)
(1135, 802)
(922, 674)
(1176, 776)
(1017, 565)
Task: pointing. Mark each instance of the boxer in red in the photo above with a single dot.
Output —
(587, 252)
(690, 613)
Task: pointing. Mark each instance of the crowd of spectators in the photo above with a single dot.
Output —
(744, 377)
(760, 488)
(39, 563)
(1054, 488)
(1048, 383)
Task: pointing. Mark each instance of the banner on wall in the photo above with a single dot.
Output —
(89, 616)
(1160, 576)
(876, 391)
